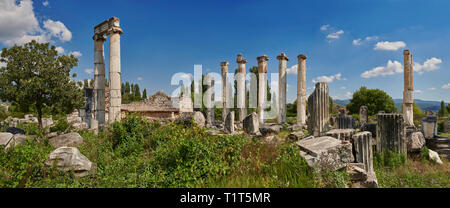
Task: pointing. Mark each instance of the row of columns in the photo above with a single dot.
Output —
(262, 88)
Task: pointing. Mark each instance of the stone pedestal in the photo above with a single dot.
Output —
(318, 110)
(262, 86)
(282, 88)
(241, 95)
(301, 90)
(391, 133)
(229, 123)
(429, 127)
(99, 79)
(362, 143)
(224, 69)
(408, 93)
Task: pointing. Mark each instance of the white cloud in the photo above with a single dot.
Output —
(390, 46)
(89, 71)
(292, 70)
(357, 41)
(429, 65)
(329, 79)
(432, 88)
(418, 91)
(335, 35)
(324, 27)
(348, 95)
(140, 78)
(76, 53)
(369, 38)
(45, 3)
(20, 25)
(58, 30)
(390, 69)
(446, 86)
(343, 88)
(60, 50)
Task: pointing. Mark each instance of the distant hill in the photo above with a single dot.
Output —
(423, 104)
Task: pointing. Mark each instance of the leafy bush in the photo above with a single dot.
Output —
(389, 159)
(61, 125)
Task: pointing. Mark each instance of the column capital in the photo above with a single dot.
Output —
(99, 38)
(224, 63)
(302, 57)
(115, 30)
(406, 52)
(262, 59)
(240, 60)
(282, 57)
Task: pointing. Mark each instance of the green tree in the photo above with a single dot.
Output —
(36, 76)
(417, 112)
(144, 94)
(127, 88)
(137, 93)
(443, 111)
(375, 99)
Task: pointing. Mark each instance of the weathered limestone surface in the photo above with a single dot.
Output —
(67, 140)
(318, 110)
(70, 159)
(88, 106)
(19, 139)
(251, 124)
(391, 133)
(209, 101)
(326, 153)
(345, 122)
(296, 136)
(363, 149)
(371, 127)
(224, 69)
(282, 86)
(229, 123)
(301, 90)
(408, 93)
(269, 129)
(262, 88)
(429, 126)
(5, 138)
(363, 115)
(115, 99)
(434, 156)
(415, 141)
(241, 95)
(99, 78)
(341, 134)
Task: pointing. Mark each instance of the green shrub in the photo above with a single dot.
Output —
(61, 125)
(390, 159)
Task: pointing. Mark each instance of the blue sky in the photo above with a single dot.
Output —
(348, 43)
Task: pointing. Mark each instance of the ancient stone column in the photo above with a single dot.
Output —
(241, 95)
(362, 143)
(363, 115)
(99, 79)
(282, 85)
(318, 110)
(391, 133)
(115, 100)
(209, 101)
(229, 122)
(262, 88)
(224, 66)
(301, 90)
(408, 93)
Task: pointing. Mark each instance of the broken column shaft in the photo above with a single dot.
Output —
(115, 96)
(362, 143)
(408, 93)
(391, 133)
(318, 110)
(99, 79)
(241, 95)
(224, 68)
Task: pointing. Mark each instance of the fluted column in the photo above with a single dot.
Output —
(224, 66)
(408, 93)
(99, 79)
(282, 85)
(391, 133)
(115, 96)
(318, 110)
(301, 90)
(362, 142)
(241, 95)
(262, 88)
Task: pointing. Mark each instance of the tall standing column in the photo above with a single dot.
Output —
(224, 66)
(99, 79)
(115, 96)
(283, 59)
(240, 78)
(408, 93)
(262, 88)
(301, 90)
